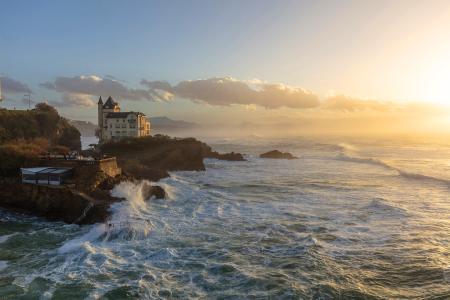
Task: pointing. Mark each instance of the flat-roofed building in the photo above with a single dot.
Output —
(45, 175)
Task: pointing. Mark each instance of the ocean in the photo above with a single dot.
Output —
(350, 219)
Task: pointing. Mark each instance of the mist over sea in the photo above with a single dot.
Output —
(351, 218)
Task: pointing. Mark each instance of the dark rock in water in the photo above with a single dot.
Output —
(278, 154)
(154, 191)
(232, 156)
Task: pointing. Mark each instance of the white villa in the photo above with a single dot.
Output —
(114, 124)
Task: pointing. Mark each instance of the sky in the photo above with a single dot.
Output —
(221, 62)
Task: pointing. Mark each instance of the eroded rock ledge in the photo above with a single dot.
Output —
(86, 199)
(153, 157)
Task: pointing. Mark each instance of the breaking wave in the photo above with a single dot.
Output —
(364, 160)
(383, 207)
(354, 158)
(128, 220)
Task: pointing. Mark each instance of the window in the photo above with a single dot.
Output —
(53, 177)
(29, 177)
(124, 125)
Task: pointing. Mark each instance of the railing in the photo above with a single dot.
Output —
(77, 161)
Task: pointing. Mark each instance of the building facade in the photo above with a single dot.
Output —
(114, 124)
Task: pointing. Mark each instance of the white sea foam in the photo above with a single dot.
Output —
(75, 244)
(364, 160)
(348, 147)
(343, 156)
(127, 221)
(3, 265)
(4, 238)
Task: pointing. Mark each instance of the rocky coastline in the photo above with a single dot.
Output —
(86, 199)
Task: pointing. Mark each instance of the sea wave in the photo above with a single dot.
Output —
(128, 220)
(382, 206)
(364, 160)
(3, 265)
(4, 238)
(354, 158)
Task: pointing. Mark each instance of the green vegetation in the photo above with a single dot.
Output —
(24, 135)
(20, 153)
(41, 122)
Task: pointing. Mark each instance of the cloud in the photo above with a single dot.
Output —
(74, 100)
(12, 86)
(351, 104)
(226, 91)
(96, 86)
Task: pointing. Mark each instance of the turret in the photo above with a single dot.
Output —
(100, 118)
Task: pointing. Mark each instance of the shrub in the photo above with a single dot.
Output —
(20, 153)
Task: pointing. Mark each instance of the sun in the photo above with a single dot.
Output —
(434, 83)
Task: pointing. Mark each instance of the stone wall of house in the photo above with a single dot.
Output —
(109, 167)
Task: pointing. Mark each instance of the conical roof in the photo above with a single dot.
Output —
(109, 103)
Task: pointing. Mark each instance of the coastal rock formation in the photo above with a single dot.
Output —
(54, 203)
(153, 191)
(232, 156)
(278, 154)
(64, 203)
(153, 157)
(86, 197)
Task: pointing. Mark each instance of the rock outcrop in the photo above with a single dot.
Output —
(154, 156)
(63, 203)
(86, 199)
(232, 156)
(278, 155)
(53, 203)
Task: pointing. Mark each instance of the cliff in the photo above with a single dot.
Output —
(153, 157)
(53, 203)
(62, 203)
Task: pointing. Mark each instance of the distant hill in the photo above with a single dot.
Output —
(158, 123)
(86, 128)
(161, 123)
